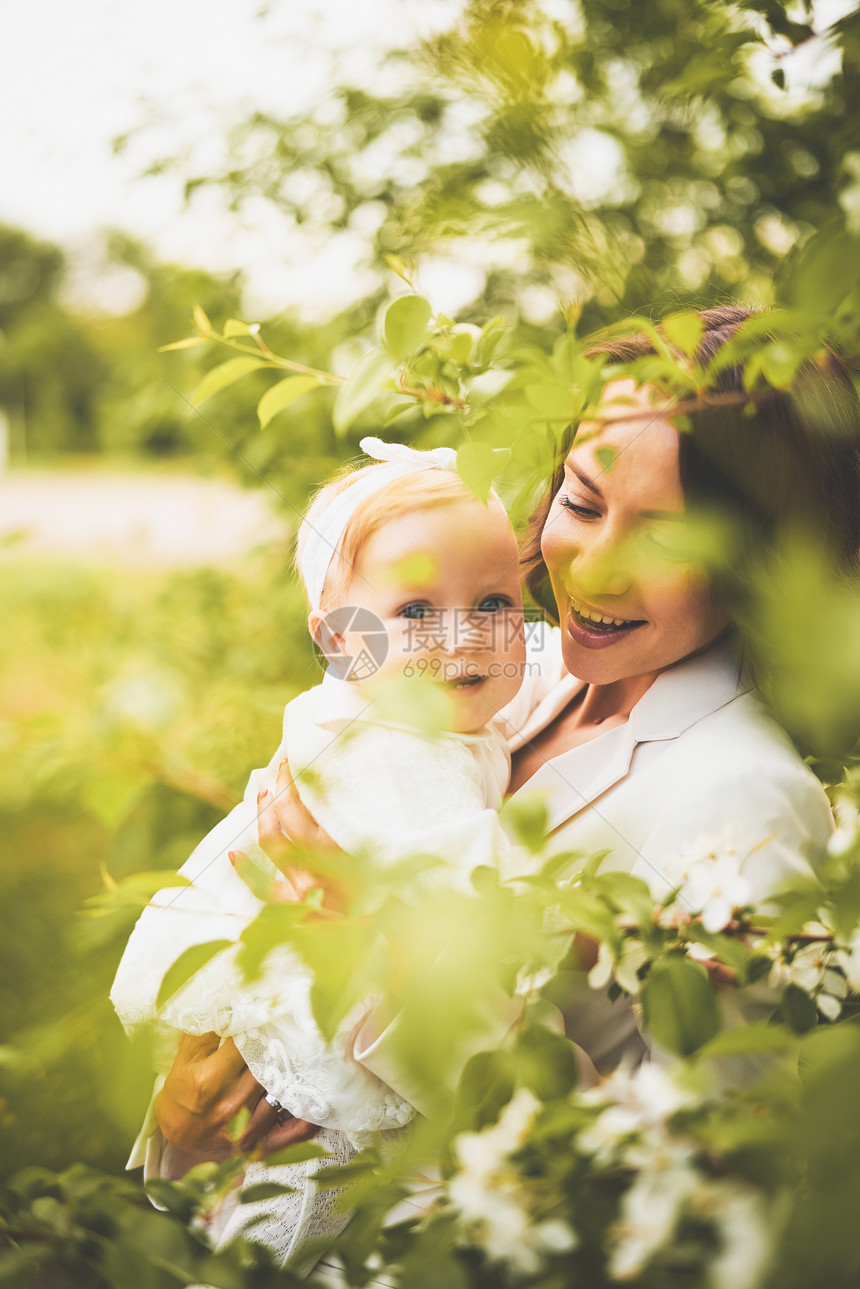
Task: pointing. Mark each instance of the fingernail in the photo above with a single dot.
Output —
(231, 855)
(262, 794)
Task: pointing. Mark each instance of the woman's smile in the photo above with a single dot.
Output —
(593, 630)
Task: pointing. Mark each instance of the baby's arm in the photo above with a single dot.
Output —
(317, 1080)
(217, 905)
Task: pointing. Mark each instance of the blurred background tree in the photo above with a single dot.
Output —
(537, 159)
(612, 155)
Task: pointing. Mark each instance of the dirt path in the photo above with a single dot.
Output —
(148, 519)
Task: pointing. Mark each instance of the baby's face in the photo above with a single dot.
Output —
(444, 581)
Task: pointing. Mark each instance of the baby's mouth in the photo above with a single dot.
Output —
(602, 623)
(466, 682)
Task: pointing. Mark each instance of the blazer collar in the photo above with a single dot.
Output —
(678, 698)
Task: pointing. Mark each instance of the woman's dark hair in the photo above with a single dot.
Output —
(792, 464)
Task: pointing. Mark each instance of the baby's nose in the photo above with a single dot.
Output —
(469, 630)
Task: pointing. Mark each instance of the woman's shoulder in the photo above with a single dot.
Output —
(738, 768)
(742, 737)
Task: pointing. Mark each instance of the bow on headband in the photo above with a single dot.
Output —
(322, 538)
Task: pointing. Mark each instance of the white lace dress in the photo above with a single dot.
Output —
(379, 790)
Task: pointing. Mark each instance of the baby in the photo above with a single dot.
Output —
(406, 574)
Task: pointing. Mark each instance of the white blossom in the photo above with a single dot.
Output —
(813, 969)
(485, 1152)
(624, 968)
(847, 828)
(650, 1209)
(746, 1231)
(708, 877)
(806, 969)
(494, 1201)
(636, 1102)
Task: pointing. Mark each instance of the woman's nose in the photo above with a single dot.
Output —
(601, 571)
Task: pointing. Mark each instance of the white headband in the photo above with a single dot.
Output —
(322, 538)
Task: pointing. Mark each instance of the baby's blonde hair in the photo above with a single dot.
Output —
(419, 491)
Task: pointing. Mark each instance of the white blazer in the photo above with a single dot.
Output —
(697, 754)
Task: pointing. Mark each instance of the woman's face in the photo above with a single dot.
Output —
(611, 545)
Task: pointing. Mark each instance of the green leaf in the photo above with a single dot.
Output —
(485, 1088)
(546, 1063)
(186, 965)
(265, 1190)
(679, 1004)
(478, 465)
(744, 1040)
(397, 408)
(347, 961)
(188, 343)
(223, 375)
(275, 924)
(585, 912)
(399, 266)
(606, 457)
(527, 817)
(405, 323)
(684, 330)
(299, 1153)
(551, 401)
(201, 321)
(235, 327)
(239, 1123)
(368, 378)
(630, 895)
(281, 395)
(798, 1009)
(724, 947)
(136, 890)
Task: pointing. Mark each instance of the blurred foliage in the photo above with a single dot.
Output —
(130, 712)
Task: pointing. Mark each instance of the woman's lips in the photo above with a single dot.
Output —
(593, 638)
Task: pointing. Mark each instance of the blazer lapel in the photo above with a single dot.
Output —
(576, 778)
(678, 698)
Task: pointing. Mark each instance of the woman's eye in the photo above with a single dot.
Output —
(582, 512)
(414, 611)
(494, 603)
(662, 549)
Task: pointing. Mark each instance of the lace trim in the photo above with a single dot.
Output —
(286, 1224)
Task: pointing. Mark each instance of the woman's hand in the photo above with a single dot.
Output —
(206, 1088)
(285, 825)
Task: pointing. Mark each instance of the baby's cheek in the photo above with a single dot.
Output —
(511, 668)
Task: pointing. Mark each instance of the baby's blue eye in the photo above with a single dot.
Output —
(493, 604)
(414, 611)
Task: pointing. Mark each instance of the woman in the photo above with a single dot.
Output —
(646, 731)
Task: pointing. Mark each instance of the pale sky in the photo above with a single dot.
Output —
(78, 74)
